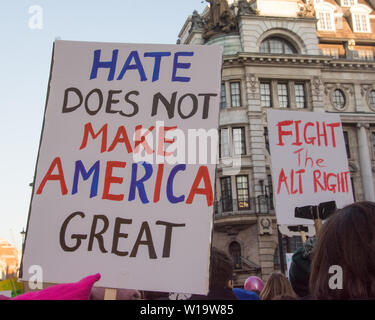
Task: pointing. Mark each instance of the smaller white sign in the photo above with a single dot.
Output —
(309, 162)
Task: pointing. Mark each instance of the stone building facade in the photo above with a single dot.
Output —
(293, 55)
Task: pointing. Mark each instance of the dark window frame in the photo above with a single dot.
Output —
(248, 192)
(236, 95)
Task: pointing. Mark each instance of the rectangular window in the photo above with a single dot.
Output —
(365, 54)
(347, 145)
(325, 21)
(270, 192)
(224, 143)
(266, 138)
(235, 93)
(265, 94)
(223, 97)
(348, 3)
(242, 193)
(332, 52)
(373, 142)
(239, 144)
(299, 90)
(226, 194)
(282, 91)
(353, 189)
(360, 22)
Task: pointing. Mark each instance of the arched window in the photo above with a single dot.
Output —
(360, 18)
(235, 252)
(277, 45)
(325, 15)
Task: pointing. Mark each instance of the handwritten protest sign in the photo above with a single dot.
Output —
(309, 162)
(119, 189)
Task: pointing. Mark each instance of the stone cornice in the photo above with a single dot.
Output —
(244, 58)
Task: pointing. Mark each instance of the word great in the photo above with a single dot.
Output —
(136, 183)
(144, 237)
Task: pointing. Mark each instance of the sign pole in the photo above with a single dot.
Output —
(281, 252)
(110, 294)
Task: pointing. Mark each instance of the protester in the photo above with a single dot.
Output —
(277, 285)
(243, 294)
(347, 242)
(221, 273)
(299, 272)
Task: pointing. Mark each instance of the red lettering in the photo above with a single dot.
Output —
(282, 179)
(204, 175)
(89, 130)
(284, 133)
(333, 126)
(163, 140)
(159, 177)
(121, 137)
(109, 179)
(54, 177)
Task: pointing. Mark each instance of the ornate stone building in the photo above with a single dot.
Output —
(293, 55)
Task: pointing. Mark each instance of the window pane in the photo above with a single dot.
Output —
(265, 94)
(242, 193)
(282, 90)
(277, 46)
(235, 94)
(235, 252)
(371, 98)
(223, 97)
(373, 142)
(226, 194)
(347, 146)
(224, 143)
(299, 89)
(239, 145)
(338, 99)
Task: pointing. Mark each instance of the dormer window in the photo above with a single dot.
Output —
(325, 21)
(360, 18)
(360, 23)
(348, 3)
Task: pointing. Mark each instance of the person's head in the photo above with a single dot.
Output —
(347, 242)
(277, 285)
(221, 270)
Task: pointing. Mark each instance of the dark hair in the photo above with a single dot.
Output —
(347, 240)
(277, 285)
(221, 269)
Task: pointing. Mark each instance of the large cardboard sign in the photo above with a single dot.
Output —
(124, 184)
(309, 162)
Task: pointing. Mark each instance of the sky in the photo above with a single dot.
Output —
(25, 56)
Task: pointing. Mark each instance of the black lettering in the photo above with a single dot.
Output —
(148, 242)
(193, 110)
(117, 234)
(78, 237)
(168, 236)
(135, 105)
(100, 97)
(98, 235)
(65, 108)
(169, 105)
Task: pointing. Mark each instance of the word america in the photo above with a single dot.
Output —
(136, 183)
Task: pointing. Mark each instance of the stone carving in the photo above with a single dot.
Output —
(265, 226)
(306, 9)
(245, 8)
(317, 84)
(197, 21)
(252, 82)
(347, 88)
(221, 19)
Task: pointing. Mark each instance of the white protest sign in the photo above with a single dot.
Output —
(115, 192)
(309, 162)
